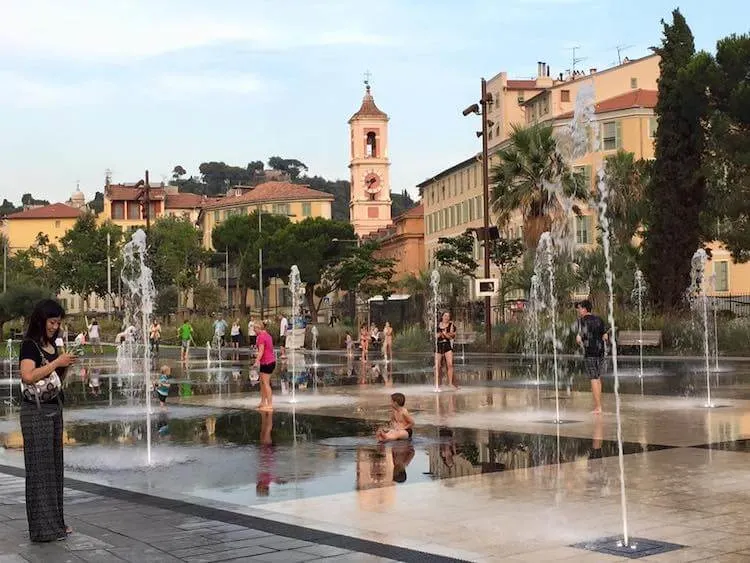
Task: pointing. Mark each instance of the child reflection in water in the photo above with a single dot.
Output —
(266, 460)
(403, 453)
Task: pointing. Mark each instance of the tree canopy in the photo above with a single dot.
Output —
(175, 252)
(677, 190)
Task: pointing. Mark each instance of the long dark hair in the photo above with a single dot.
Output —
(37, 329)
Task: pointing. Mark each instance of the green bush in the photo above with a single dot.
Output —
(411, 339)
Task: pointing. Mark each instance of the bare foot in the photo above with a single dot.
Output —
(266, 408)
(68, 530)
(596, 411)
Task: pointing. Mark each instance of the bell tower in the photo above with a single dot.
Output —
(370, 198)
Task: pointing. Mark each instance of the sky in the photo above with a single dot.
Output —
(130, 85)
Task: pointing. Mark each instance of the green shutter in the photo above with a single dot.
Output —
(618, 134)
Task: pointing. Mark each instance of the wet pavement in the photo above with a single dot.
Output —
(477, 452)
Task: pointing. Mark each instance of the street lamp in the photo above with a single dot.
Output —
(358, 242)
(481, 110)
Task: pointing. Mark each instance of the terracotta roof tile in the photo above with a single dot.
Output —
(417, 211)
(269, 192)
(125, 192)
(629, 100)
(184, 201)
(368, 108)
(522, 85)
(54, 211)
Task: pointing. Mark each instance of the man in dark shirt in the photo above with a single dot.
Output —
(592, 333)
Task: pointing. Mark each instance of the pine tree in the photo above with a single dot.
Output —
(677, 190)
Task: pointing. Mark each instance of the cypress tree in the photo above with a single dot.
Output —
(677, 190)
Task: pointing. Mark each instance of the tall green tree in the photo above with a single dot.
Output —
(457, 254)
(522, 180)
(176, 252)
(240, 236)
(677, 191)
(80, 264)
(727, 155)
(19, 300)
(362, 271)
(311, 246)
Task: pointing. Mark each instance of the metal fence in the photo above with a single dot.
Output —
(735, 305)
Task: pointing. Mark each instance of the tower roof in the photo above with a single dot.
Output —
(368, 108)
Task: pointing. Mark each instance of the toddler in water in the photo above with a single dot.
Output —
(401, 424)
(162, 388)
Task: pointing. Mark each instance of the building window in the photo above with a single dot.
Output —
(371, 150)
(480, 211)
(583, 232)
(217, 216)
(585, 171)
(521, 98)
(57, 224)
(564, 95)
(281, 209)
(653, 125)
(633, 83)
(491, 134)
(611, 136)
(134, 211)
(306, 209)
(442, 190)
(283, 296)
(721, 273)
(545, 106)
(470, 205)
(118, 210)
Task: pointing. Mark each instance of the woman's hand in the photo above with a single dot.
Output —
(64, 360)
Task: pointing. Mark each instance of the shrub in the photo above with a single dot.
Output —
(412, 339)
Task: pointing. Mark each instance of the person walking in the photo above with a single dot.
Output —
(154, 336)
(388, 342)
(251, 336)
(236, 334)
(42, 372)
(95, 337)
(265, 363)
(185, 332)
(283, 328)
(592, 334)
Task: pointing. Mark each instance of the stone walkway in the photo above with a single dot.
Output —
(110, 527)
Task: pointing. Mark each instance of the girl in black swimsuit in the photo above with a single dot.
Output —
(446, 332)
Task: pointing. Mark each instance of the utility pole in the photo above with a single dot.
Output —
(260, 261)
(486, 99)
(109, 278)
(148, 204)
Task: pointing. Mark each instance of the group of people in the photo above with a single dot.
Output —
(372, 337)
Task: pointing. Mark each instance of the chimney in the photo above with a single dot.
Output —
(539, 68)
(545, 64)
(592, 70)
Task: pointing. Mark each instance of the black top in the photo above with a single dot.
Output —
(30, 351)
(443, 332)
(592, 330)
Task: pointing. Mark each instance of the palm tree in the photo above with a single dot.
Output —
(627, 179)
(525, 180)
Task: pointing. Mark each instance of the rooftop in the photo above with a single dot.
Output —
(416, 211)
(269, 192)
(53, 211)
(184, 201)
(522, 85)
(129, 192)
(368, 107)
(634, 99)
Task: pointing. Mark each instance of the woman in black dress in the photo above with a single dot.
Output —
(42, 424)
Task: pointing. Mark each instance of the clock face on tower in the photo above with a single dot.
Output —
(372, 183)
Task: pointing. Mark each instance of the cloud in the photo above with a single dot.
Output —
(182, 86)
(22, 91)
(123, 30)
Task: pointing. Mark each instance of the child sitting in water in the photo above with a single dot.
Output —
(401, 424)
(162, 388)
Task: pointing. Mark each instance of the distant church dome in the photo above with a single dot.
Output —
(78, 200)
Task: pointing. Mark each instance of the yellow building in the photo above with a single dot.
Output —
(625, 96)
(295, 201)
(54, 220)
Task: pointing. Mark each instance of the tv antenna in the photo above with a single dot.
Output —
(620, 50)
(575, 59)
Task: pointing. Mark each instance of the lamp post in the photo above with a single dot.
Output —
(358, 242)
(481, 110)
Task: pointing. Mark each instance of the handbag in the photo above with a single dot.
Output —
(45, 389)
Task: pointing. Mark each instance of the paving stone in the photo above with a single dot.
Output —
(80, 542)
(323, 550)
(244, 534)
(279, 542)
(245, 552)
(12, 558)
(141, 555)
(98, 556)
(286, 556)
